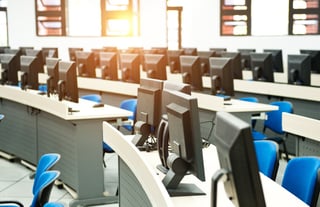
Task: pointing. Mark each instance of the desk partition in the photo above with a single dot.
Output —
(36, 124)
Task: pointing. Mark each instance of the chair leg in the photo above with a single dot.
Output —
(104, 163)
(285, 150)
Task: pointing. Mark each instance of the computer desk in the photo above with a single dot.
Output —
(140, 181)
(36, 124)
(307, 129)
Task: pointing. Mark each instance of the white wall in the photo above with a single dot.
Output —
(200, 29)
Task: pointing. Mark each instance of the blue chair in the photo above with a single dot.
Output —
(53, 204)
(253, 100)
(130, 105)
(267, 152)
(42, 191)
(274, 123)
(45, 163)
(92, 97)
(302, 178)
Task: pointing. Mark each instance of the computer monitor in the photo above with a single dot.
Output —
(174, 60)
(68, 84)
(185, 143)
(277, 63)
(236, 63)
(30, 67)
(191, 71)
(262, 69)
(192, 51)
(315, 59)
(233, 141)
(96, 53)
(218, 50)
(23, 49)
(130, 67)
(245, 58)
(110, 49)
(86, 64)
(10, 64)
(155, 66)
(72, 52)
(38, 54)
(16, 52)
(109, 65)
(148, 111)
(53, 75)
(204, 59)
(221, 76)
(51, 52)
(161, 51)
(299, 69)
(3, 48)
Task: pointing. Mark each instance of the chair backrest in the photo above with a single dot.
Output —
(267, 152)
(46, 162)
(92, 97)
(130, 105)
(301, 177)
(249, 99)
(44, 188)
(274, 118)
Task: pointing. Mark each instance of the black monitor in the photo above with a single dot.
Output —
(10, 64)
(23, 49)
(277, 63)
(155, 66)
(109, 65)
(174, 60)
(86, 64)
(72, 52)
(218, 50)
(96, 53)
(192, 51)
(30, 67)
(238, 163)
(38, 55)
(53, 75)
(110, 49)
(245, 58)
(191, 71)
(3, 48)
(262, 68)
(221, 76)
(51, 52)
(204, 59)
(130, 67)
(185, 156)
(68, 84)
(315, 59)
(299, 69)
(16, 52)
(161, 51)
(148, 111)
(236, 63)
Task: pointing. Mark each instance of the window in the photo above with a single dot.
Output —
(235, 17)
(50, 18)
(3, 27)
(304, 17)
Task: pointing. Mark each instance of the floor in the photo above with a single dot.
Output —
(16, 184)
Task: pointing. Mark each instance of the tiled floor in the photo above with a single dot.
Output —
(15, 182)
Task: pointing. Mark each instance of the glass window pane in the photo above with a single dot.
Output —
(3, 29)
(48, 5)
(118, 27)
(117, 5)
(49, 26)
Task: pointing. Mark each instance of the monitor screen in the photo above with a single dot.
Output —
(221, 76)
(174, 60)
(130, 67)
(109, 65)
(185, 144)
(72, 52)
(262, 69)
(299, 69)
(237, 158)
(204, 59)
(245, 58)
(53, 75)
(277, 62)
(236, 63)
(155, 66)
(86, 64)
(30, 67)
(148, 109)
(10, 64)
(51, 52)
(68, 84)
(190, 67)
(315, 59)
(38, 54)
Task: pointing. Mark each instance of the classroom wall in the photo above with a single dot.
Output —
(200, 29)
